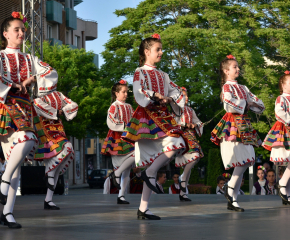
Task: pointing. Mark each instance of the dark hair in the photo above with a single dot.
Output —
(261, 170)
(147, 43)
(4, 28)
(271, 170)
(160, 174)
(225, 63)
(282, 80)
(116, 88)
(220, 178)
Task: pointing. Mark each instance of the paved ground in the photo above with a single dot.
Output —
(88, 214)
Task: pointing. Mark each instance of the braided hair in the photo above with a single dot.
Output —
(147, 43)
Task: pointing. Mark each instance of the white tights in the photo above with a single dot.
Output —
(12, 174)
(285, 182)
(236, 181)
(151, 172)
(186, 175)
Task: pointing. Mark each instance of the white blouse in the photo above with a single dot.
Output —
(236, 96)
(282, 111)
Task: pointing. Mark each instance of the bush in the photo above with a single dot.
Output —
(215, 167)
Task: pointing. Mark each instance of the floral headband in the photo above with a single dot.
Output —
(261, 168)
(184, 89)
(231, 57)
(156, 35)
(21, 17)
(227, 175)
(287, 72)
(124, 82)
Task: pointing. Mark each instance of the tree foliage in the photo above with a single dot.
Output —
(196, 36)
(80, 80)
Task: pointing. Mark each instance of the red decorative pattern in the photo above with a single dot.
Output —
(124, 115)
(153, 80)
(240, 91)
(13, 67)
(58, 100)
(22, 67)
(112, 109)
(233, 104)
(52, 101)
(161, 81)
(4, 64)
(72, 110)
(48, 88)
(44, 64)
(136, 76)
(146, 78)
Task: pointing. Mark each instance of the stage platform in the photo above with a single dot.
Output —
(88, 214)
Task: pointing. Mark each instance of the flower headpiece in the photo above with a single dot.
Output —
(184, 89)
(123, 82)
(156, 35)
(287, 72)
(21, 17)
(261, 168)
(231, 57)
(227, 175)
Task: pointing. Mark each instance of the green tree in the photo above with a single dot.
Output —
(80, 80)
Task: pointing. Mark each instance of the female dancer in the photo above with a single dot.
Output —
(122, 152)
(156, 134)
(191, 126)
(277, 140)
(234, 133)
(54, 148)
(17, 71)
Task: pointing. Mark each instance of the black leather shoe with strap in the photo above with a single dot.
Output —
(120, 201)
(237, 209)
(48, 185)
(183, 189)
(228, 197)
(143, 216)
(145, 178)
(283, 196)
(4, 221)
(115, 183)
(50, 207)
(184, 199)
(3, 198)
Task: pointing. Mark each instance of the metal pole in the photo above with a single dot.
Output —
(251, 178)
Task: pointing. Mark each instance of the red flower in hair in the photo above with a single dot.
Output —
(287, 72)
(156, 35)
(184, 89)
(123, 82)
(15, 15)
(230, 57)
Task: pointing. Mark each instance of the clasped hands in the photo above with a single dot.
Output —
(162, 99)
(21, 87)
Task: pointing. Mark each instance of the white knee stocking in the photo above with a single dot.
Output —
(186, 174)
(284, 180)
(146, 194)
(124, 182)
(125, 165)
(18, 154)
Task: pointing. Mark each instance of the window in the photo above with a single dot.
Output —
(77, 41)
(49, 31)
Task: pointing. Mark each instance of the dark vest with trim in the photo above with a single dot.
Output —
(174, 190)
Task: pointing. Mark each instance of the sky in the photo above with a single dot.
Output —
(102, 11)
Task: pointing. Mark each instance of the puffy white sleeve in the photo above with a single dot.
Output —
(251, 98)
(281, 111)
(46, 76)
(175, 93)
(114, 121)
(142, 95)
(69, 107)
(5, 85)
(44, 109)
(232, 103)
(195, 120)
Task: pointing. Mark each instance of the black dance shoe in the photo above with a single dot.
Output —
(283, 196)
(143, 216)
(120, 201)
(183, 199)
(49, 207)
(115, 183)
(228, 197)
(3, 198)
(145, 178)
(232, 207)
(285, 202)
(48, 185)
(183, 189)
(4, 221)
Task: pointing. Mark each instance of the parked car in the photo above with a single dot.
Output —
(98, 177)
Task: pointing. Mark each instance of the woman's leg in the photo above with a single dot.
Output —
(284, 180)
(186, 175)
(125, 165)
(124, 182)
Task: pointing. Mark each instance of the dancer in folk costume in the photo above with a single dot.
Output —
(191, 126)
(156, 134)
(122, 152)
(17, 71)
(277, 140)
(234, 133)
(54, 148)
